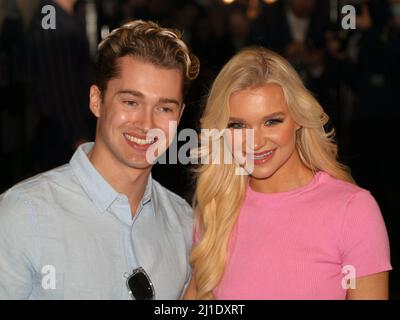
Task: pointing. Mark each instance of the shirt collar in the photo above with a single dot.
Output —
(148, 192)
(149, 195)
(96, 187)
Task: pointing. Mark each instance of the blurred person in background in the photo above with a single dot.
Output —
(295, 29)
(375, 83)
(367, 61)
(395, 10)
(60, 74)
(374, 130)
(12, 93)
(186, 14)
(239, 29)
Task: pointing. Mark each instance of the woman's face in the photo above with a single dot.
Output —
(263, 109)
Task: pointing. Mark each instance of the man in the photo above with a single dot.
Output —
(60, 73)
(78, 231)
(294, 29)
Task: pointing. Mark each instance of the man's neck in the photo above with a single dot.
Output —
(66, 5)
(131, 182)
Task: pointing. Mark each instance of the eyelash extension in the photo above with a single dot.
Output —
(274, 121)
(231, 125)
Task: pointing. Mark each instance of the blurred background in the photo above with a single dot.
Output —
(45, 77)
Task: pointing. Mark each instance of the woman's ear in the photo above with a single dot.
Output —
(95, 100)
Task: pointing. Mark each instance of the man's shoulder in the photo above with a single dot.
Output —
(41, 186)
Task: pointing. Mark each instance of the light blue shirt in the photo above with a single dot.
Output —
(67, 234)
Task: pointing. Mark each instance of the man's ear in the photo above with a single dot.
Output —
(95, 100)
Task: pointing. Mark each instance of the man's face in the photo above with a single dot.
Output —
(143, 97)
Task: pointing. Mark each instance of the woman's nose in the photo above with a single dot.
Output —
(255, 139)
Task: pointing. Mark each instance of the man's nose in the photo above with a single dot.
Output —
(145, 120)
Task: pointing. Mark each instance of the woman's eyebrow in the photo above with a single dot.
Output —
(272, 115)
(275, 114)
(236, 119)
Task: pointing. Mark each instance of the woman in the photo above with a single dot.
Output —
(297, 227)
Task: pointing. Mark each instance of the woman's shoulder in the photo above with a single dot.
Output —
(341, 189)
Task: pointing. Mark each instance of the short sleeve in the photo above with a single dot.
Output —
(16, 249)
(365, 243)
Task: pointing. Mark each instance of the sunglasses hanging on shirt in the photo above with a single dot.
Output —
(139, 285)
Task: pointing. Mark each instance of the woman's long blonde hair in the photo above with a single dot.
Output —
(220, 191)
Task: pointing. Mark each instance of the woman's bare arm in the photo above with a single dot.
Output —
(373, 287)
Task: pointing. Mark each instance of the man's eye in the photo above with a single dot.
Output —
(131, 103)
(236, 125)
(165, 109)
(273, 122)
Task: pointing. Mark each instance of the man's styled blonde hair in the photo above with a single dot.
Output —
(148, 42)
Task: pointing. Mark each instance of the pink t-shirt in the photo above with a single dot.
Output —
(294, 245)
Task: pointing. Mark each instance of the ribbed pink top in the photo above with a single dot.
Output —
(293, 245)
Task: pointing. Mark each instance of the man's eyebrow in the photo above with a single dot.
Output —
(272, 115)
(167, 100)
(131, 92)
(141, 95)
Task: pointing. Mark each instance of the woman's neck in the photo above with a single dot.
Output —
(292, 175)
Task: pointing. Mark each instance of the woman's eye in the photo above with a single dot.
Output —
(273, 122)
(235, 125)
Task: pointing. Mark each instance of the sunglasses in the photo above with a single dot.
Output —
(139, 285)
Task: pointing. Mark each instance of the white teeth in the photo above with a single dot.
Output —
(137, 140)
(261, 156)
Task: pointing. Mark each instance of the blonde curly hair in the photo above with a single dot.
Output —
(147, 41)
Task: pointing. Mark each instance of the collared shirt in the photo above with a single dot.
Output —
(67, 234)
